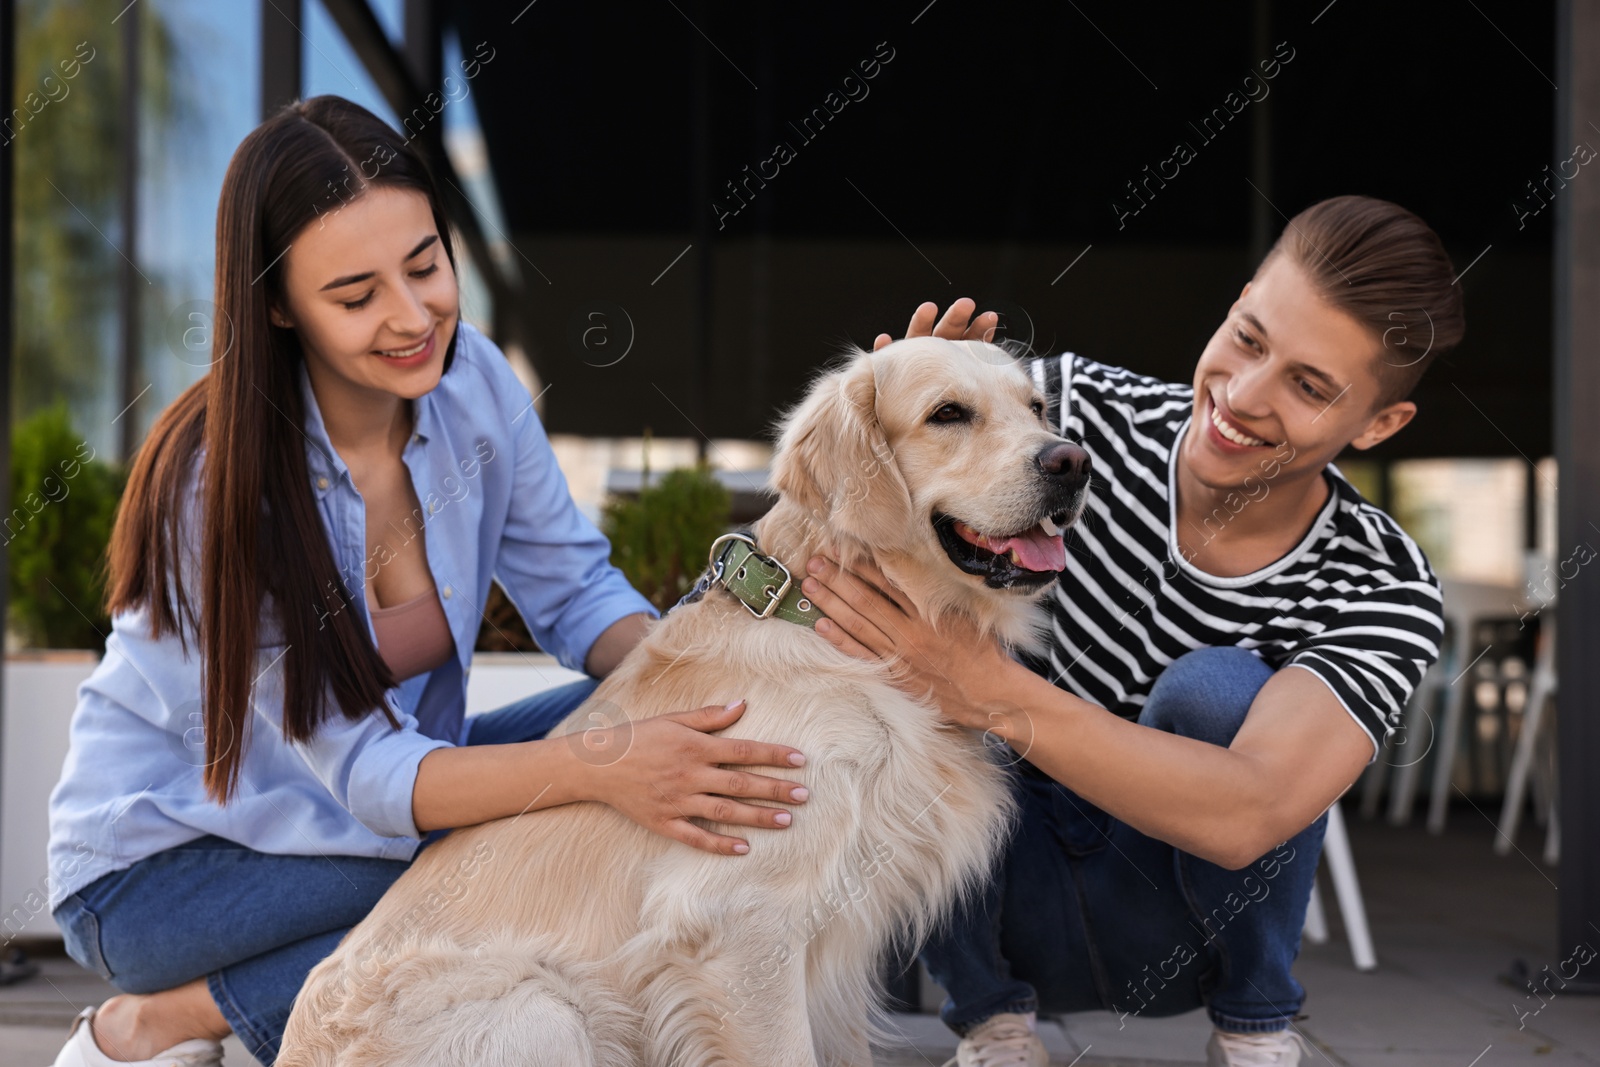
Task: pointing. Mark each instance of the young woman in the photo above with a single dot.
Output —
(296, 581)
(1235, 633)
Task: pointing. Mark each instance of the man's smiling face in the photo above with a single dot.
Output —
(1286, 375)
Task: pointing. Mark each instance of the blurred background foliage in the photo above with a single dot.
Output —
(64, 501)
(70, 152)
(659, 540)
(68, 160)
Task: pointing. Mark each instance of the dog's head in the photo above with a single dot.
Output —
(933, 458)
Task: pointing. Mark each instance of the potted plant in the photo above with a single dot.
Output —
(63, 502)
(658, 540)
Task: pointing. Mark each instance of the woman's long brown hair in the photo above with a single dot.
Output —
(261, 541)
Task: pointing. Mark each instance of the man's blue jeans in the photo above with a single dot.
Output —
(1087, 913)
(253, 923)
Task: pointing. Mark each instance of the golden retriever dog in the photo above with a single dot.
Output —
(576, 937)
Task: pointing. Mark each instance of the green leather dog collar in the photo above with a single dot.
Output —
(761, 583)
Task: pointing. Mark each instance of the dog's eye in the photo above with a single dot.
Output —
(1038, 410)
(950, 413)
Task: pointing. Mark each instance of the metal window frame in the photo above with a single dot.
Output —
(1576, 388)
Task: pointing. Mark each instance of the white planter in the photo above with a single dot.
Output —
(500, 678)
(41, 691)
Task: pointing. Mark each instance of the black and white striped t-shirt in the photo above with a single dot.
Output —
(1355, 602)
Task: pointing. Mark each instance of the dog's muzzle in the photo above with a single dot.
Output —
(1030, 558)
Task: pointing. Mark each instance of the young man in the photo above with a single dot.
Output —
(1234, 634)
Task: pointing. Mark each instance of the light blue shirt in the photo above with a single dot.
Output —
(494, 505)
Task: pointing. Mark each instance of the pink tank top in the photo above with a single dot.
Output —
(413, 637)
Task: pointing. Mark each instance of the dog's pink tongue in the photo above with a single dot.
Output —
(1036, 550)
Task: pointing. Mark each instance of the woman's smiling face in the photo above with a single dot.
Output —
(372, 295)
(1286, 375)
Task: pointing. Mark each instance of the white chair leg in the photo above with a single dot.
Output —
(1403, 794)
(1377, 774)
(1406, 754)
(1539, 787)
(1552, 837)
(1455, 702)
(1316, 929)
(1544, 758)
(1522, 762)
(1342, 866)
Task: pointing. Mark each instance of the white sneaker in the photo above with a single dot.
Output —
(81, 1051)
(1280, 1048)
(1006, 1040)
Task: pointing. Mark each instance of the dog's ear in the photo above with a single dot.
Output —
(834, 459)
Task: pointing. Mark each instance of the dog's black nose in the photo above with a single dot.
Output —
(1065, 461)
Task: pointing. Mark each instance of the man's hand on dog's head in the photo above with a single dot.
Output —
(957, 324)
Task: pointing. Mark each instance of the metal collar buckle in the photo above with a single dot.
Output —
(773, 597)
(716, 560)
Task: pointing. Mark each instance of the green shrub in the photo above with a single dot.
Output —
(661, 539)
(63, 502)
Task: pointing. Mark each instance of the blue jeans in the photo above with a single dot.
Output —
(254, 924)
(1088, 914)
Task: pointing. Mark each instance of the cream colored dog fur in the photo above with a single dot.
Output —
(573, 936)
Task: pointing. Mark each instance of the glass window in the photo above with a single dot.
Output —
(330, 65)
(1467, 514)
(463, 142)
(185, 144)
(64, 133)
(392, 17)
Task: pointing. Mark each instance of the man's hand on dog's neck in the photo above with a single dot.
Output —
(953, 665)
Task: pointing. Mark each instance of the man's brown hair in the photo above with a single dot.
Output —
(1382, 265)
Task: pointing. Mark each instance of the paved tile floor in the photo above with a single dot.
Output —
(1448, 918)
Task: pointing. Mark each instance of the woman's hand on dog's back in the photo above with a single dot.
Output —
(665, 771)
(925, 322)
(660, 772)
